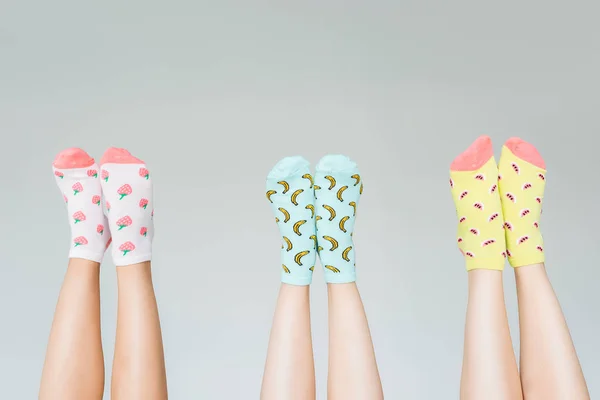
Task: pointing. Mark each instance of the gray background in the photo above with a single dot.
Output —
(212, 94)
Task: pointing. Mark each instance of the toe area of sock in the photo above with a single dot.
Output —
(525, 151)
(115, 155)
(336, 163)
(72, 158)
(289, 166)
(475, 156)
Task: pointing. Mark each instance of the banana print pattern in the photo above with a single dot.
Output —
(345, 253)
(288, 243)
(340, 192)
(297, 226)
(343, 223)
(353, 205)
(290, 192)
(331, 211)
(331, 180)
(314, 238)
(335, 210)
(333, 269)
(269, 194)
(298, 257)
(312, 210)
(310, 178)
(334, 243)
(286, 186)
(285, 213)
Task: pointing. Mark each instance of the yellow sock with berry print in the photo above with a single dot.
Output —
(474, 185)
(522, 181)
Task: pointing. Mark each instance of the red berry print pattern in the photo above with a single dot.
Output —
(478, 206)
(96, 200)
(92, 173)
(59, 174)
(462, 219)
(542, 176)
(143, 203)
(511, 197)
(516, 168)
(463, 194)
(508, 225)
(144, 173)
(527, 186)
(487, 242)
(124, 222)
(493, 188)
(80, 241)
(451, 183)
(493, 217)
(127, 247)
(79, 216)
(77, 188)
(540, 248)
(144, 231)
(100, 229)
(524, 212)
(474, 231)
(124, 191)
(480, 177)
(522, 239)
(105, 175)
(469, 254)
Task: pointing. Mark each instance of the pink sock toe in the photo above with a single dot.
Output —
(115, 155)
(72, 158)
(525, 151)
(478, 153)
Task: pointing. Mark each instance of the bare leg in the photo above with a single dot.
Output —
(290, 370)
(489, 365)
(74, 366)
(353, 372)
(549, 365)
(139, 365)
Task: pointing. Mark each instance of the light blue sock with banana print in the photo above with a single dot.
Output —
(290, 191)
(337, 190)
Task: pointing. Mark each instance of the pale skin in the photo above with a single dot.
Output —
(550, 368)
(74, 366)
(289, 370)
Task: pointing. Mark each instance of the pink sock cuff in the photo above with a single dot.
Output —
(73, 158)
(116, 155)
(475, 157)
(525, 151)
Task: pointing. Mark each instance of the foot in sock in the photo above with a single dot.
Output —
(337, 190)
(127, 189)
(291, 195)
(76, 175)
(474, 186)
(522, 183)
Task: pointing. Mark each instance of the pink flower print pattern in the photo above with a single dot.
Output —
(124, 222)
(144, 231)
(96, 200)
(77, 188)
(65, 198)
(100, 229)
(143, 203)
(107, 206)
(92, 173)
(59, 174)
(105, 175)
(127, 247)
(144, 173)
(80, 241)
(124, 190)
(79, 217)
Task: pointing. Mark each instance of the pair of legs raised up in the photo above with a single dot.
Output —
(498, 208)
(74, 366)
(316, 217)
